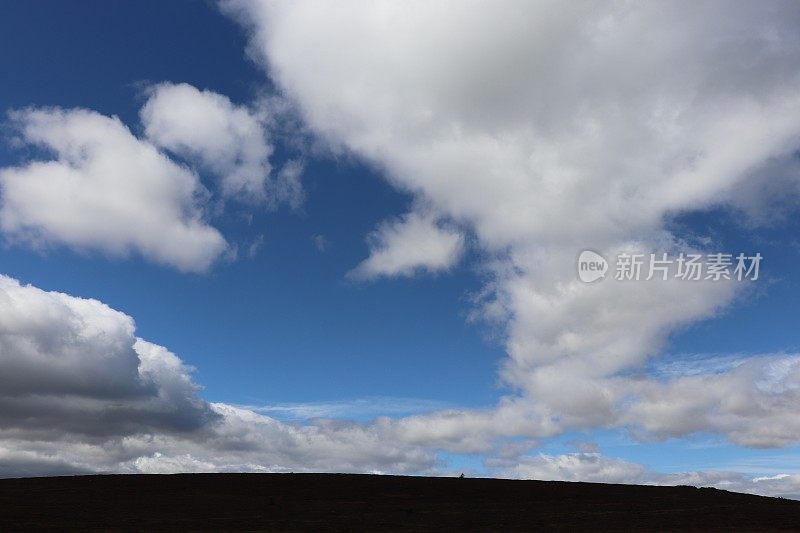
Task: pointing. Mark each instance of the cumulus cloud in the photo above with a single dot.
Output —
(104, 190)
(74, 366)
(205, 126)
(108, 190)
(752, 403)
(80, 393)
(413, 243)
(546, 129)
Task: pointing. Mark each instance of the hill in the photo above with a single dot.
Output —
(322, 502)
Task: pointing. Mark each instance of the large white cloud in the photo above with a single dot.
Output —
(105, 190)
(546, 129)
(539, 122)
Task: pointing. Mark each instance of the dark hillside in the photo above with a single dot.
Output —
(318, 502)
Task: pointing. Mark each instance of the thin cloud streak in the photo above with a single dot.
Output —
(357, 409)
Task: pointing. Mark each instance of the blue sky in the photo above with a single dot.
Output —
(283, 326)
(299, 330)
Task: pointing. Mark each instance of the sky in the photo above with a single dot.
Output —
(309, 236)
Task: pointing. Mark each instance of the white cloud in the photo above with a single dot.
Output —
(595, 467)
(207, 127)
(229, 140)
(547, 129)
(105, 190)
(108, 190)
(752, 403)
(80, 393)
(589, 467)
(413, 243)
(160, 464)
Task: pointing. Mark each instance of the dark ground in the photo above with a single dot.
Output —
(326, 502)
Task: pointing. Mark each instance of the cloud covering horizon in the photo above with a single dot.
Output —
(97, 399)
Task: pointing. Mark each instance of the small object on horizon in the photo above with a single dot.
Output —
(461, 476)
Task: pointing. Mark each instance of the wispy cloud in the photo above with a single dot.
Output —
(356, 409)
(696, 364)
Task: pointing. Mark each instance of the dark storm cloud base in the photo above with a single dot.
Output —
(362, 502)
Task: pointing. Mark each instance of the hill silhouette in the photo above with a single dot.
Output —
(328, 502)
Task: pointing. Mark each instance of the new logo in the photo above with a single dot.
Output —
(591, 266)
